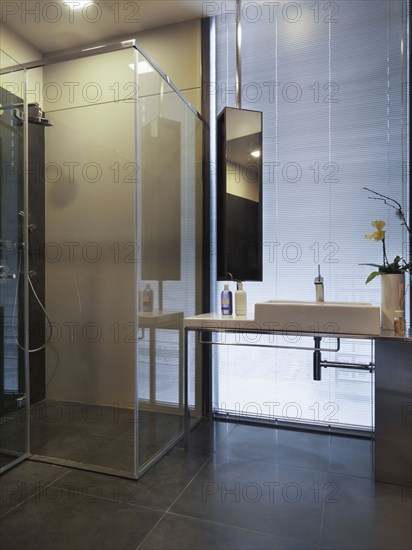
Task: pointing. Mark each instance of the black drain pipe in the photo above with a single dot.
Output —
(316, 359)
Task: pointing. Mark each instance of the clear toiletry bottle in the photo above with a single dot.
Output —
(240, 300)
(320, 290)
(226, 301)
(148, 299)
(399, 323)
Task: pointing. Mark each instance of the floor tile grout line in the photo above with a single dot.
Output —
(323, 503)
(321, 525)
(228, 433)
(70, 470)
(181, 492)
(292, 465)
(230, 525)
(51, 484)
(208, 424)
(150, 531)
(211, 425)
(107, 499)
(202, 467)
(273, 462)
(35, 494)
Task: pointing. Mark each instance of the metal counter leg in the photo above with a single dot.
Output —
(186, 410)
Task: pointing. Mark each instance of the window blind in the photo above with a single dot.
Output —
(328, 77)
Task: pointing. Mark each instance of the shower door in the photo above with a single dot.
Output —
(13, 394)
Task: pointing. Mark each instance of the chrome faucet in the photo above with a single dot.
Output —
(320, 291)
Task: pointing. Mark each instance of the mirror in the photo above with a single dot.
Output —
(239, 195)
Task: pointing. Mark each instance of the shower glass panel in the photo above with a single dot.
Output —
(13, 391)
(88, 417)
(169, 152)
(122, 195)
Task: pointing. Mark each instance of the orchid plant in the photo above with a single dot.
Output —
(399, 265)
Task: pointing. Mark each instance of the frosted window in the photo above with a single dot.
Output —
(328, 78)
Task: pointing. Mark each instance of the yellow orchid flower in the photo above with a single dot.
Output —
(379, 234)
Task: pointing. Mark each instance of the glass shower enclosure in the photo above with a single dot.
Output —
(13, 287)
(113, 246)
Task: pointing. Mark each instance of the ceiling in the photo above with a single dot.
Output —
(56, 25)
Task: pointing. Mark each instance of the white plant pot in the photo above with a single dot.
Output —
(392, 298)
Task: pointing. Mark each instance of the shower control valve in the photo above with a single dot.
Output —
(5, 273)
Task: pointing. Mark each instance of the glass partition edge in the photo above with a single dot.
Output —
(136, 240)
(26, 259)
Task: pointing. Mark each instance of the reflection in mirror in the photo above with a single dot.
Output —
(239, 195)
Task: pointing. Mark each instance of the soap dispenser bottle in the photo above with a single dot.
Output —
(399, 323)
(320, 291)
(148, 299)
(240, 300)
(226, 301)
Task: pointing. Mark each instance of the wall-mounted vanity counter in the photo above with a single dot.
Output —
(393, 381)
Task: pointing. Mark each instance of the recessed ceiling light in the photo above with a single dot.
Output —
(77, 4)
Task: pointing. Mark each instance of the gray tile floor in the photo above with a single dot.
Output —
(238, 487)
(90, 434)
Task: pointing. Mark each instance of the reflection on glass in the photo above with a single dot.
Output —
(169, 155)
(119, 214)
(13, 425)
(239, 208)
(85, 407)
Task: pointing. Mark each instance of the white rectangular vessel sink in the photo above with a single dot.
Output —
(322, 317)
